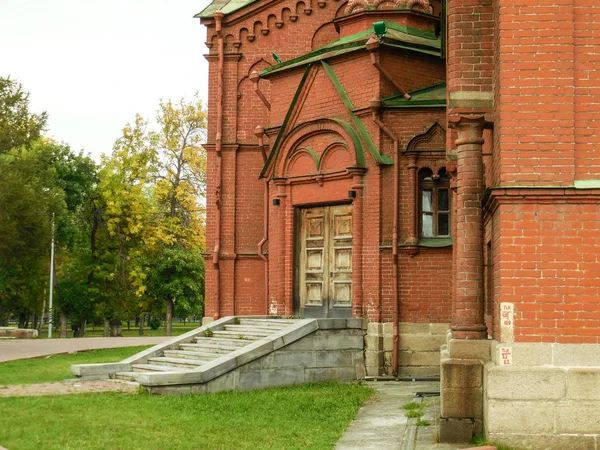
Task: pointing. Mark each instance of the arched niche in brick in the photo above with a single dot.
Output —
(433, 139)
(323, 146)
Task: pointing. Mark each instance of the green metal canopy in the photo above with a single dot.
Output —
(395, 36)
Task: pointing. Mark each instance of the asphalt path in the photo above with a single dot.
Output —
(11, 349)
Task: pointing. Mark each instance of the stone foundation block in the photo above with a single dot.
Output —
(419, 371)
(505, 416)
(421, 342)
(416, 358)
(525, 383)
(461, 403)
(439, 328)
(457, 430)
(549, 442)
(470, 349)
(413, 328)
(461, 373)
(524, 354)
(583, 384)
(576, 355)
(578, 417)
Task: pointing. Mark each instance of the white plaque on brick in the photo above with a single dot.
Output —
(505, 356)
(507, 321)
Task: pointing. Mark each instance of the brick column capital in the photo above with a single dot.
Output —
(469, 128)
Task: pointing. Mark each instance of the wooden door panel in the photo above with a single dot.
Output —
(325, 261)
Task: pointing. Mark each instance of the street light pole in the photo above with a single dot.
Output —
(51, 281)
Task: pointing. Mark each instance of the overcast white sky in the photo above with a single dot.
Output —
(93, 64)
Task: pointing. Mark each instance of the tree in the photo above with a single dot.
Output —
(181, 186)
(177, 278)
(180, 193)
(28, 197)
(18, 126)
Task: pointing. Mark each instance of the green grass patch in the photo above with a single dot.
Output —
(58, 367)
(308, 416)
(414, 413)
(413, 405)
(422, 423)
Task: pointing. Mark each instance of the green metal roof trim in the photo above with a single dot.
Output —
(282, 129)
(396, 36)
(434, 95)
(360, 126)
(227, 6)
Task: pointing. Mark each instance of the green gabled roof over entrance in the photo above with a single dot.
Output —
(226, 6)
(358, 134)
(434, 95)
(396, 36)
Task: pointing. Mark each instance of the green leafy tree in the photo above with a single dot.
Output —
(28, 197)
(18, 126)
(177, 278)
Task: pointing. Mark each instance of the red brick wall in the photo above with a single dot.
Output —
(548, 267)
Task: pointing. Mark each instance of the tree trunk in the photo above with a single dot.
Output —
(106, 331)
(42, 316)
(137, 320)
(63, 325)
(116, 328)
(82, 327)
(169, 321)
(141, 321)
(22, 320)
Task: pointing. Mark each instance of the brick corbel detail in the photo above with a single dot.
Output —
(468, 300)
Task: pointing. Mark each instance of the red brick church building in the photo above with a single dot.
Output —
(430, 166)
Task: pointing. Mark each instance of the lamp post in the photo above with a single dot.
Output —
(51, 281)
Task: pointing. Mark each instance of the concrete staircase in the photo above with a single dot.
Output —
(243, 353)
(208, 346)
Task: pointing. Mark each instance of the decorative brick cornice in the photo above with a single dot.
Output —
(416, 5)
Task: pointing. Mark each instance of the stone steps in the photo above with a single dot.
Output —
(193, 355)
(245, 336)
(176, 362)
(207, 347)
(154, 368)
(220, 341)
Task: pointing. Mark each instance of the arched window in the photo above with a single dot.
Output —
(434, 203)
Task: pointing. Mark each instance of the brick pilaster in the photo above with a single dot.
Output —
(468, 308)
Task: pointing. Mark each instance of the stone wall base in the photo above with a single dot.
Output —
(419, 348)
(543, 396)
(325, 354)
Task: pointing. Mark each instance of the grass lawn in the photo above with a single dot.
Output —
(309, 416)
(58, 367)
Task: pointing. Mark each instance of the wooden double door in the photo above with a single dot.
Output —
(324, 262)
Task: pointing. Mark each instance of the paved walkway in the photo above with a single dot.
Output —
(32, 348)
(382, 425)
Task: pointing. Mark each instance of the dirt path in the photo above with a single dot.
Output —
(65, 388)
